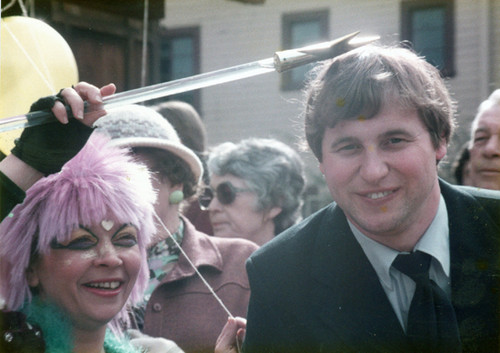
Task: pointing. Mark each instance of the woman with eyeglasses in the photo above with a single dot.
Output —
(255, 189)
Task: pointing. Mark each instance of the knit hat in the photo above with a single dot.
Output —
(100, 182)
(139, 126)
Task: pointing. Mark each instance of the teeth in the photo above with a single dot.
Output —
(105, 285)
(378, 195)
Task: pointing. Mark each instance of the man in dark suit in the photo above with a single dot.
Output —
(379, 121)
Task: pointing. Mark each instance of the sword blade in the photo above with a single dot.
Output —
(281, 61)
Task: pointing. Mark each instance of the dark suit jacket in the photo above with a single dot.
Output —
(314, 290)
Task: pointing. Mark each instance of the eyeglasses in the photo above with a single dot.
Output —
(225, 193)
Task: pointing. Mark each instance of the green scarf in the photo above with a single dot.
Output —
(56, 329)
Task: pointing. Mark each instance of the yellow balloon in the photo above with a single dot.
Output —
(35, 61)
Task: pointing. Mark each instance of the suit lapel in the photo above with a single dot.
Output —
(347, 295)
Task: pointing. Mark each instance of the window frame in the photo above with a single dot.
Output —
(194, 33)
(407, 10)
(288, 19)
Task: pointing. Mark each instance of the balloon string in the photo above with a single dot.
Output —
(238, 345)
(43, 61)
(23, 8)
(194, 267)
(9, 5)
(145, 26)
(12, 2)
(29, 58)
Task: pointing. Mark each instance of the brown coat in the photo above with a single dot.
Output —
(182, 308)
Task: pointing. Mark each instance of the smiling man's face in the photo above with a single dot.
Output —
(382, 172)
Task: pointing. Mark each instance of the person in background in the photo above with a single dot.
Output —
(73, 255)
(461, 166)
(189, 126)
(177, 304)
(363, 274)
(186, 122)
(255, 189)
(485, 144)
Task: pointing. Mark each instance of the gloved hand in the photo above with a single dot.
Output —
(48, 147)
(150, 344)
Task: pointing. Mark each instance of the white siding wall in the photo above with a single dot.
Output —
(495, 48)
(233, 33)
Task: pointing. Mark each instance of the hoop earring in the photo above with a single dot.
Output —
(176, 197)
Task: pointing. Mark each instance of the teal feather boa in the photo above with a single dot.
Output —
(56, 329)
(55, 326)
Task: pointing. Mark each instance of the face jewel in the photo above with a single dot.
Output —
(107, 224)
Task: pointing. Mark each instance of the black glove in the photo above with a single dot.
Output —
(49, 146)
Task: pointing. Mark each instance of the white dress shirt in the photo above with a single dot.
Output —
(398, 287)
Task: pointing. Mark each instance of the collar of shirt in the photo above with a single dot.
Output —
(434, 242)
(162, 257)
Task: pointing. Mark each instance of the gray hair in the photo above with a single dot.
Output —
(491, 101)
(359, 83)
(273, 170)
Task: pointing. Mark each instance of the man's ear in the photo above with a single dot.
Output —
(441, 151)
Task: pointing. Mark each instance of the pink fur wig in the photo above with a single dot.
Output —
(100, 182)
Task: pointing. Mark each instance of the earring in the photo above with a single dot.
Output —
(176, 197)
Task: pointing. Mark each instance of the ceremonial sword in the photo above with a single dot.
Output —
(280, 62)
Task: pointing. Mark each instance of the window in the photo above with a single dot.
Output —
(179, 58)
(428, 26)
(299, 30)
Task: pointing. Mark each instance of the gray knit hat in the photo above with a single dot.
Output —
(139, 126)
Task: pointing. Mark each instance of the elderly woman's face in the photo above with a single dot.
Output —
(240, 217)
(90, 276)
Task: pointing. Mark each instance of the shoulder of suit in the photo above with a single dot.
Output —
(487, 197)
(297, 237)
(487, 200)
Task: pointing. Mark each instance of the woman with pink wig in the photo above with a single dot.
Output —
(73, 254)
(73, 258)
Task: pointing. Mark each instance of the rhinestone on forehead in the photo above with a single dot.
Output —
(107, 224)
